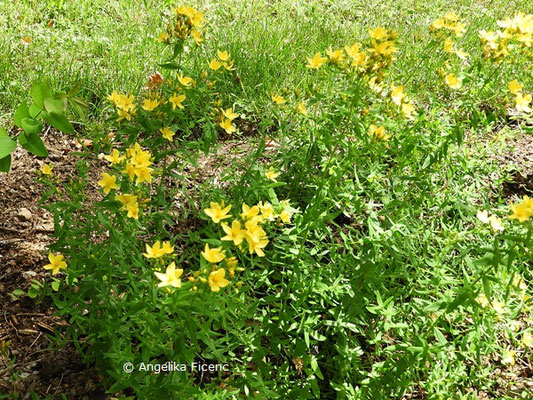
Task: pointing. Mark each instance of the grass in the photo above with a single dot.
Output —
(375, 288)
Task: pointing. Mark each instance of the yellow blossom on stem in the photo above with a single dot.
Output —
(155, 251)
(397, 94)
(150, 104)
(514, 86)
(46, 169)
(522, 211)
(249, 212)
(167, 133)
(522, 102)
(108, 182)
(215, 64)
(257, 247)
(177, 100)
(379, 33)
(378, 132)
(213, 255)
(133, 210)
(229, 114)
(217, 281)
(278, 99)
(301, 108)
(56, 263)
(508, 357)
(217, 212)
(114, 157)
(316, 61)
(223, 55)
(185, 80)
(235, 233)
(453, 81)
(272, 174)
(228, 126)
(171, 277)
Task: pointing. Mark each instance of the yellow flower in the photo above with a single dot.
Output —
(267, 211)
(229, 114)
(278, 99)
(335, 56)
(176, 100)
(272, 174)
(114, 97)
(249, 212)
(438, 23)
(215, 64)
(197, 36)
(522, 102)
(217, 212)
(46, 169)
(156, 251)
(129, 170)
(448, 45)
(167, 133)
(213, 255)
(285, 216)
(108, 182)
(114, 157)
(453, 81)
(234, 234)
(217, 280)
(508, 357)
(353, 50)
(397, 94)
(461, 54)
(316, 61)
(143, 174)
(167, 248)
(514, 86)
(496, 223)
(185, 80)
(133, 210)
(126, 199)
(482, 300)
(56, 263)
(522, 211)
(378, 33)
(228, 126)
(301, 108)
(171, 277)
(223, 55)
(408, 110)
(378, 132)
(257, 247)
(150, 105)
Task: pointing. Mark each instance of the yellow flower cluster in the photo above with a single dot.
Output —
(187, 22)
(399, 98)
(248, 228)
(523, 210)
(378, 133)
(446, 29)
(225, 120)
(522, 101)
(136, 163)
(124, 104)
(223, 59)
(519, 28)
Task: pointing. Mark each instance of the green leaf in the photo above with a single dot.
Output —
(54, 105)
(5, 163)
(59, 121)
(39, 92)
(21, 113)
(31, 126)
(7, 145)
(3, 132)
(35, 145)
(35, 110)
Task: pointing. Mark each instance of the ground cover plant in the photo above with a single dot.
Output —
(276, 199)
